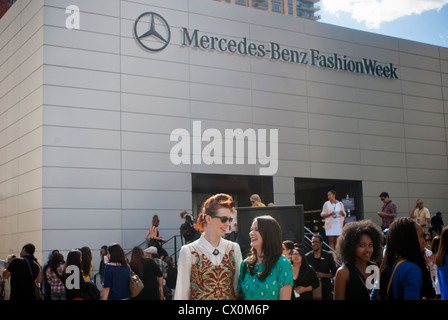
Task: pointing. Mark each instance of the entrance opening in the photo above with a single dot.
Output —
(312, 193)
(240, 187)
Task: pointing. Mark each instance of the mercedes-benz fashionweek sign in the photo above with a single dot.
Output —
(152, 31)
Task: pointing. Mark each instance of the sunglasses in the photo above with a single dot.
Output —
(223, 219)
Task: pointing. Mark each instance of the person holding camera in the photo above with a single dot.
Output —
(25, 273)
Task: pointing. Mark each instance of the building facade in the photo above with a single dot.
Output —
(112, 111)
(298, 8)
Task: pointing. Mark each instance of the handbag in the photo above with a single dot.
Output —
(317, 293)
(37, 292)
(91, 291)
(135, 284)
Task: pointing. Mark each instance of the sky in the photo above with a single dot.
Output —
(418, 20)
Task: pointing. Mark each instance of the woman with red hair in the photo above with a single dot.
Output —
(208, 268)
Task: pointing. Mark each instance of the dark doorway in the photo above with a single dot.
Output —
(290, 219)
(240, 187)
(312, 193)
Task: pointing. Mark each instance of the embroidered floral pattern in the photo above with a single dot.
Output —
(212, 282)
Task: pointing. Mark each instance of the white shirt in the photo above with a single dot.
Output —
(336, 208)
(182, 291)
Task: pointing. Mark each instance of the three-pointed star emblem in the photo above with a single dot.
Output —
(155, 37)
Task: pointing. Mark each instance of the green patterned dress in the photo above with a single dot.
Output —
(269, 289)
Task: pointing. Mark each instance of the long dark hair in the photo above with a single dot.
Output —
(435, 243)
(155, 221)
(73, 259)
(402, 241)
(137, 258)
(305, 264)
(86, 260)
(271, 233)
(117, 255)
(55, 260)
(443, 248)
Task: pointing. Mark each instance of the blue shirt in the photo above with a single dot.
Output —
(442, 276)
(268, 289)
(407, 282)
(117, 279)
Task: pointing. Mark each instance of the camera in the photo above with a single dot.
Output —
(8, 259)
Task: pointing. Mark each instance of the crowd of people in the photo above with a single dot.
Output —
(406, 258)
(70, 278)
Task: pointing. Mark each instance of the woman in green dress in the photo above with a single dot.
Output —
(265, 274)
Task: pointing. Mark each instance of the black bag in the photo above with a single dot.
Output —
(184, 229)
(37, 291)
(187, 231)
(91, 291)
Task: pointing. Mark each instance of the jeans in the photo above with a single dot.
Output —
(58, 296)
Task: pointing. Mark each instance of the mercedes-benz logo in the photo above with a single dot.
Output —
(152, 31)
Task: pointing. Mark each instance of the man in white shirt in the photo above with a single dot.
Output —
(421, 215)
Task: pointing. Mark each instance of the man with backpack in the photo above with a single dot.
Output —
(187, 228)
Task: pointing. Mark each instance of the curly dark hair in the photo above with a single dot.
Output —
(351, 236)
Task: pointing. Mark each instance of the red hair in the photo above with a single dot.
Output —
(211, 206)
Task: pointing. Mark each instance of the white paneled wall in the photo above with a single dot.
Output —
(21, 132)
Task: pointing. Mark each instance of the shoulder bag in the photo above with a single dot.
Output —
(37, 292)
(135, 284)
(390, 281)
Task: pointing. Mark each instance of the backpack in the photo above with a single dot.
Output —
(91, 291)
(187, 231)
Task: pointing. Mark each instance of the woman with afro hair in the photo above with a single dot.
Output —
(360, 249)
